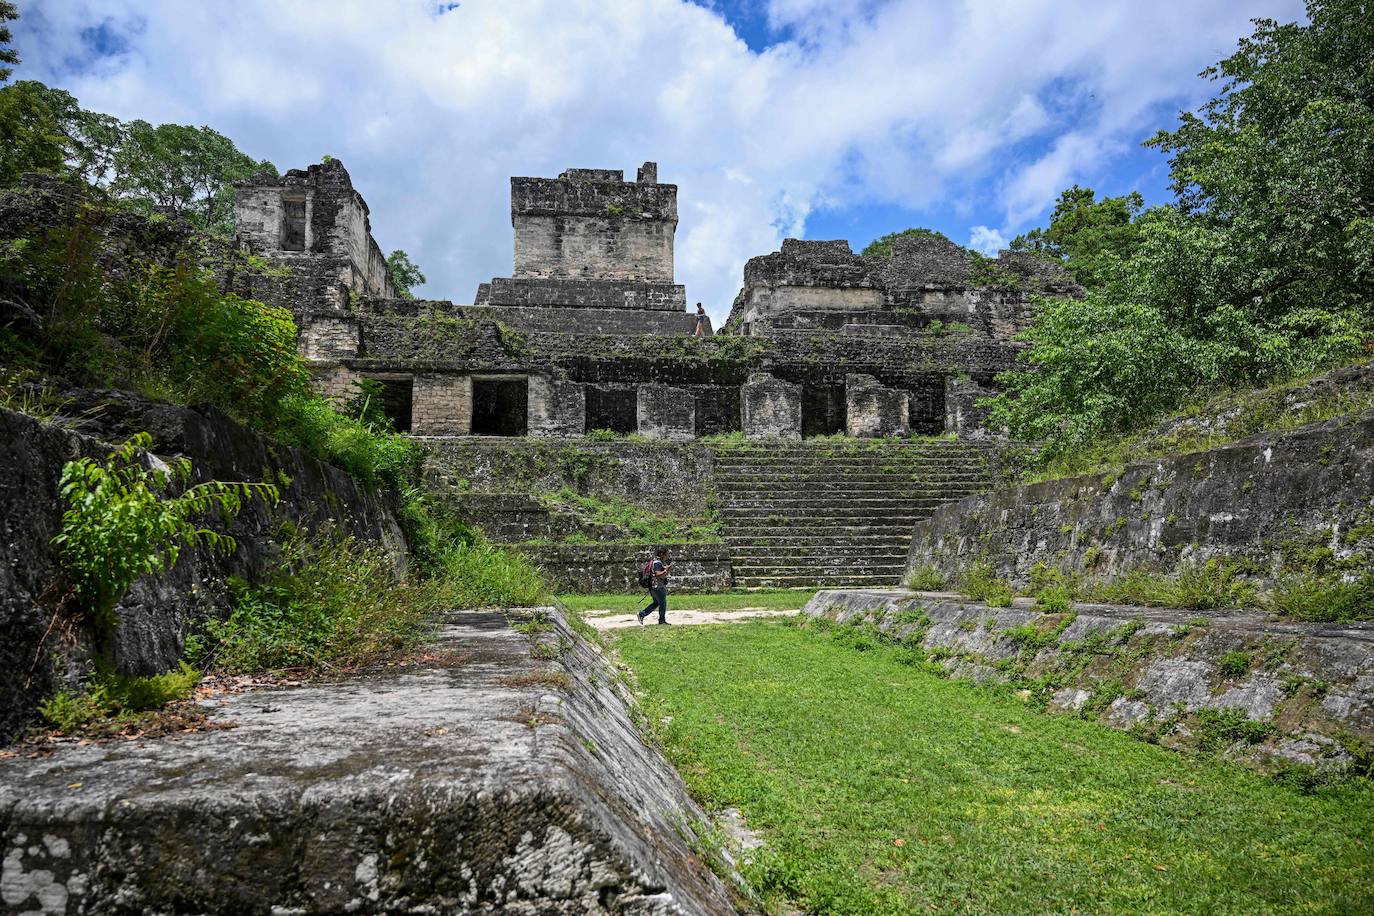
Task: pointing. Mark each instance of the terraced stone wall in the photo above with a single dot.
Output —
(1265, 692)
(1299, 502)
(41, 652)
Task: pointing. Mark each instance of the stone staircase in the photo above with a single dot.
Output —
(822, 513)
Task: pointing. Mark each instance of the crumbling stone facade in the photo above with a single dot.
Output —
(592, 332)
(315, 224)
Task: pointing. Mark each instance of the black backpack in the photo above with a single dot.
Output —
(646, 574)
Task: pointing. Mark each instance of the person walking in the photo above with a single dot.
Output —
(658, 586)
(701, 321)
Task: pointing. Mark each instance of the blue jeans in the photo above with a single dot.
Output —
(660, 595)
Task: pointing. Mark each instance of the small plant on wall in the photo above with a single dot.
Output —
(120, 522)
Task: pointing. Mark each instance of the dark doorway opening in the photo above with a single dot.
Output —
(395, 399)
(927, 411)
(717, 410)
(823, 410)
(293, 225)
(499, 406)
(615, 409)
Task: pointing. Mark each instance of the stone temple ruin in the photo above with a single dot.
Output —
(591, 337)
(820, 341)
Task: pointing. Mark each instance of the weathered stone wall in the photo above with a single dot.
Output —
(1283, 501)
(771, 408)
(665, 412)
(672, 477)
(872, 410)
(600, 568)
(334, 251)
(441, 405)
(158, 612)
(590, 224)
(1156, 671)
(487, 775)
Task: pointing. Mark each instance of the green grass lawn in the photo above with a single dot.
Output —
(629, 602)
(881, 788)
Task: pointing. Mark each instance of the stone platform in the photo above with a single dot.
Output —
(479, 780)
(1307, 688)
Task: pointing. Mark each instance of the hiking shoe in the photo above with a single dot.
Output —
(640, 618)
(663, 623)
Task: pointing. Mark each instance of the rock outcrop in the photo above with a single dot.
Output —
(1264, 691)
(488, 776)
(39, 653)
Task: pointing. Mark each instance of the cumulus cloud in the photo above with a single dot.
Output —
(986, 240)
(914, 104)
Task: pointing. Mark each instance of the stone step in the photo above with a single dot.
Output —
(783, 462)
(787, 502)
(854, 515)
(849, 486)
(769, 552)
(814, 581)
(773, 537)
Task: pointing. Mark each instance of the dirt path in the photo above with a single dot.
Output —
(687, 618)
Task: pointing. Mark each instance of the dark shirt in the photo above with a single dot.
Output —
(658, 581)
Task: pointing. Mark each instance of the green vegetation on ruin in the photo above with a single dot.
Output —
(1245, 279)
(1216, 420)
(634, 521)
(629, 602)
(879, 787)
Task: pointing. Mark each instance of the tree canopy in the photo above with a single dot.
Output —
(8, 13)
(1262, 268)
(1087, 235)
(405, 273)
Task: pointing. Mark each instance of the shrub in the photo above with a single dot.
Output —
(981, 583)
(1053, 599)
(1213, 585)
(332, 603)
(1235, 664)
(925, 578)
(110, 693)
(119, 523)
(369, 454)
(1220, 727)
(478, 574)
(1325, 601)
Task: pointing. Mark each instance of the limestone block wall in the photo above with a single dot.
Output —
(597, 568)
(672, 477)
(770, 408)
(592, 224)
(334, 381)
(329, 338)
(441, 405)
(872, 410)
(1155, 670)
(665, 412)
(556, 407)
(1287, 502)
(594, 248)
(963, 416)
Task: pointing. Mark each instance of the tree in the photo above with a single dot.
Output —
(186, 171)
(881, 247)
(1090, 237)
(1262, 268)
(44, 130)
(405, 273)
(8, 13)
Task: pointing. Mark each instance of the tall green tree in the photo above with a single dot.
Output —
(1261, 268)
(1090, 237)
(183, 170)
(44, 130)
(8, 13)
(405, 273)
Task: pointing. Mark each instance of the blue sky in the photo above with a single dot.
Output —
(812, 118)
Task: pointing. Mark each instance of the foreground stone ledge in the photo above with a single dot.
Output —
(481, 780)
(1312, 684)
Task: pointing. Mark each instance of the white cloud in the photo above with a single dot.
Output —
(915, 103)
(986, 240)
